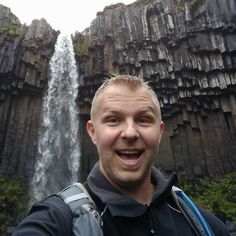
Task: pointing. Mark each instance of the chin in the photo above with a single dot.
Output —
(130, 182)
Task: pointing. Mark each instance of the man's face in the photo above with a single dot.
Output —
(127, 132)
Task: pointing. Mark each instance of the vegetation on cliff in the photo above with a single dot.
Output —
(192, 4)
(80, 44)
(218, 196)
(11, 29)
(13, 201)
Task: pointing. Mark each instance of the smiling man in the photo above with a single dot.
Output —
(126, 127)
(132, 196)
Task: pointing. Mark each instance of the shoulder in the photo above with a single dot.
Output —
(52, 203)
(215, 223)
(48, 217)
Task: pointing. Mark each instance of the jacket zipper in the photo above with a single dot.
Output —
(152, 229)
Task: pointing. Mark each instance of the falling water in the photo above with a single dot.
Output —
(58, 161)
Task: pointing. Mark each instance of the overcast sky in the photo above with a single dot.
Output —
(67, 16)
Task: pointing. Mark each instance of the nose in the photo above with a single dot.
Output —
(130, 131)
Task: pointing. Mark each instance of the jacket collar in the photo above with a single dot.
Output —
(120, 205)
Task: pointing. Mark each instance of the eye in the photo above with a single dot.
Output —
(112, 120)
(145, 120)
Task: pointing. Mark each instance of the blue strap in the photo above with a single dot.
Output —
(195, 210)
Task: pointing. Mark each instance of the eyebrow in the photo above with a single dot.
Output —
(142, 109)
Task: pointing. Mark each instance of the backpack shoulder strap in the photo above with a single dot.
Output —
(191, 213)
(86, 219)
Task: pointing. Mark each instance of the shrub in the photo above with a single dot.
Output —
(13, 201)
(218, 196)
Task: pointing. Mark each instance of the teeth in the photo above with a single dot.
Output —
(129, 154)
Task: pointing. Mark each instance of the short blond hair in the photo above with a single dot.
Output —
(129, 81)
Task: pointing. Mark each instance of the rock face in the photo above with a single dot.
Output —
(24, 57)
(187, 50)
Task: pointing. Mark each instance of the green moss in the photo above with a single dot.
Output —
(11, 29)
(193, 4)
(13, 201)
(218, 196)
(81, 44)
(81, 48)
(179, 5)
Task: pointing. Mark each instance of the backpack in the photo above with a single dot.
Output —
(88, 222)
(86, 219)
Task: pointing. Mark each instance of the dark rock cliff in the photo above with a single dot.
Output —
(24, 57)
(187, 50)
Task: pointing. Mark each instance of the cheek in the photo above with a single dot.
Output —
(152, 137)
(106, 137)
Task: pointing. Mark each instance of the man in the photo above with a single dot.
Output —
(134, 198)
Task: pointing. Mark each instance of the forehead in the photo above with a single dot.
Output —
(128, 97)
(123, 97)
(124, 91)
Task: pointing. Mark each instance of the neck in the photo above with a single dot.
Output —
(142, 195)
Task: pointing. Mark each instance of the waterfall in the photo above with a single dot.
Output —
(58, 157)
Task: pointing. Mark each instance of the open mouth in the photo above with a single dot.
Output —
(129, 154)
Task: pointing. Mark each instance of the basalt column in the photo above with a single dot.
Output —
(24, 56)
(187, 50)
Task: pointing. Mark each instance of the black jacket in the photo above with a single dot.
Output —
(121, 215)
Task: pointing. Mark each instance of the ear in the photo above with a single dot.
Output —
(162, 127)
(91, 131)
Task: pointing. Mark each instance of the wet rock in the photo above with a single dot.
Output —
(187, 51)
(24, 57)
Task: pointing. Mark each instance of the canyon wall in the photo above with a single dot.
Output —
(187, 51)
(24, 62)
